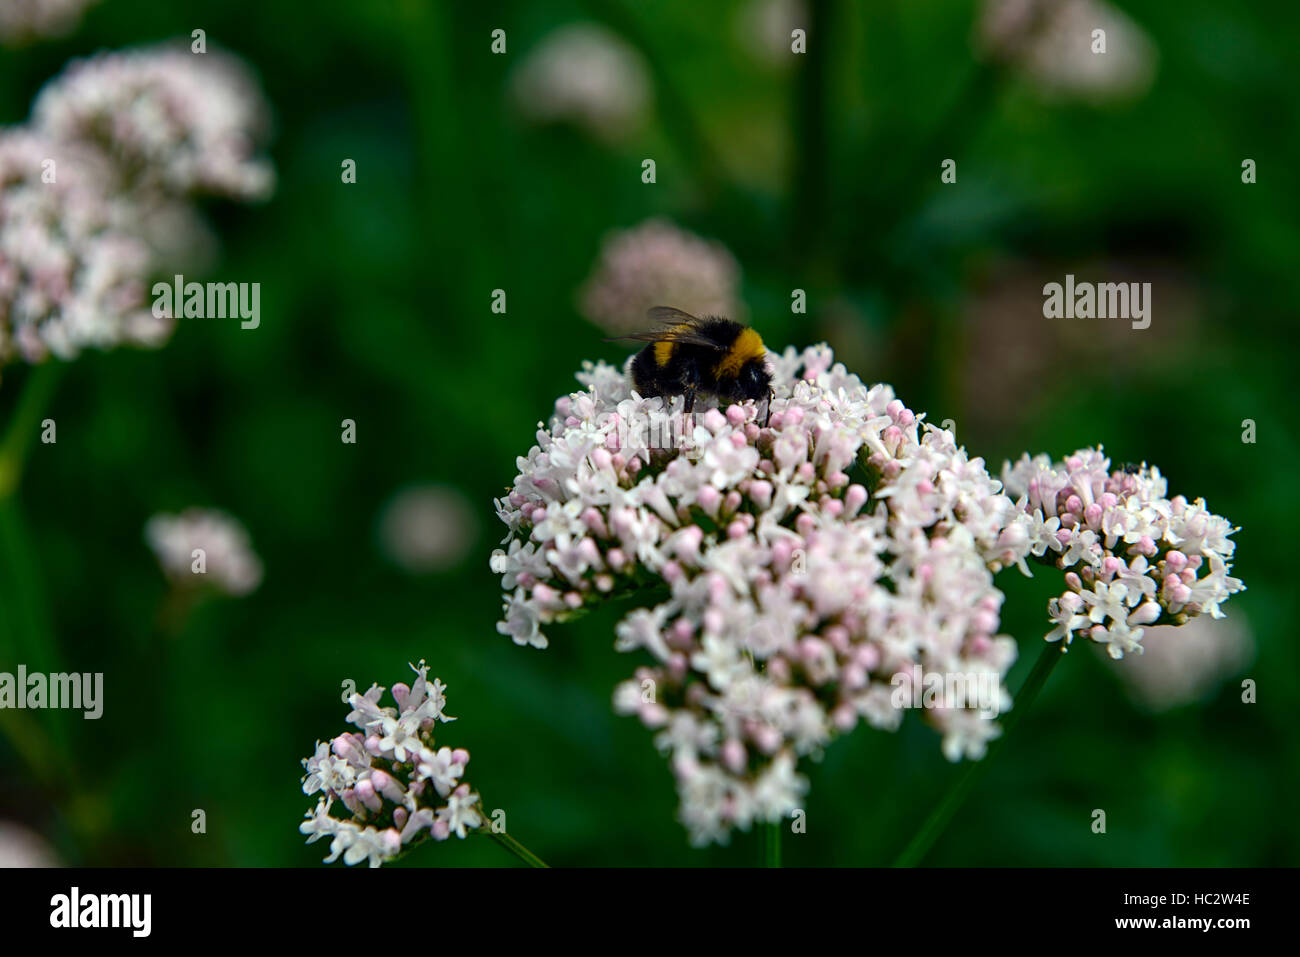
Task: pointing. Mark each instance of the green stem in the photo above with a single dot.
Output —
(517, 849)
(974, 771)
(25, 634)
(35, 396)
(28, 637)
(772, 844)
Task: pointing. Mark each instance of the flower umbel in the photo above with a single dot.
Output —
(655, 263)
(389, 786)
(205, 546)
(1132, 557)
(96, 194)
(796, 595)
(794, 601)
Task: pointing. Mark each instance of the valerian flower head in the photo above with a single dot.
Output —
(1052, 42)
(387, 786)
(205, 547)
(796, 597)
(1180, 666)
(427, 528)
(95, 194)
(789, 600)
(585, 75)
(656, 263)
(168, 119)
(73, 268)
(1131, 557)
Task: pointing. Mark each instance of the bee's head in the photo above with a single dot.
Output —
(754, 380)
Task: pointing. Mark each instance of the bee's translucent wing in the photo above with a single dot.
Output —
(675, 326)
(671, 316)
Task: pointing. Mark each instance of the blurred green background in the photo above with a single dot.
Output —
(822, 174)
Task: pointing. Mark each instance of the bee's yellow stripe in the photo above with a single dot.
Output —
(664, 352)
(748, 345)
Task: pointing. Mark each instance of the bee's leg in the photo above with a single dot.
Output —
(767, 408)
(690, 385)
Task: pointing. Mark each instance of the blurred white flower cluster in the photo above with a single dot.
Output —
(396, 787)
(427, 528)
(766, 28)
(585, 75)
(24, 21)
(1132, 557)
(1051, 42)
(205, 547)
(96, 193)
(180, 122)
(21, 847)
(1180, 666)
(72, 270)
(793, 601)
(657, 263)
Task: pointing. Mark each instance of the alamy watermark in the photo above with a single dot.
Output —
(80, 691)
(1105, 300)
(77, 910)
(657, 431)
(213, 300)
(977, 690)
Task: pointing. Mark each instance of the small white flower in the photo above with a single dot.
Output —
(1119, 638)
(461, 814)
(440, 767)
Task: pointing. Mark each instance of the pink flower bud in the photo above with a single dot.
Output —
(733, 752)
(844, 717)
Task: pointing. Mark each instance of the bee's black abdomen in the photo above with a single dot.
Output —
(646, 375)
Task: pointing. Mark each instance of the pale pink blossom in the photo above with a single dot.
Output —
(654, 264)
(397, 788)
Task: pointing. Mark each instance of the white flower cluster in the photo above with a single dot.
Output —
(585, 75)
(1183, 665)
(656, 263)
(1132, 557)
(1051, 42)
(96, 193)
(796, 598)
(167, 117)
(394, 787)
(205, 546)
(72, 270)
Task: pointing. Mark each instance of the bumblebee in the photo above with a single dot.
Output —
(691, 356)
